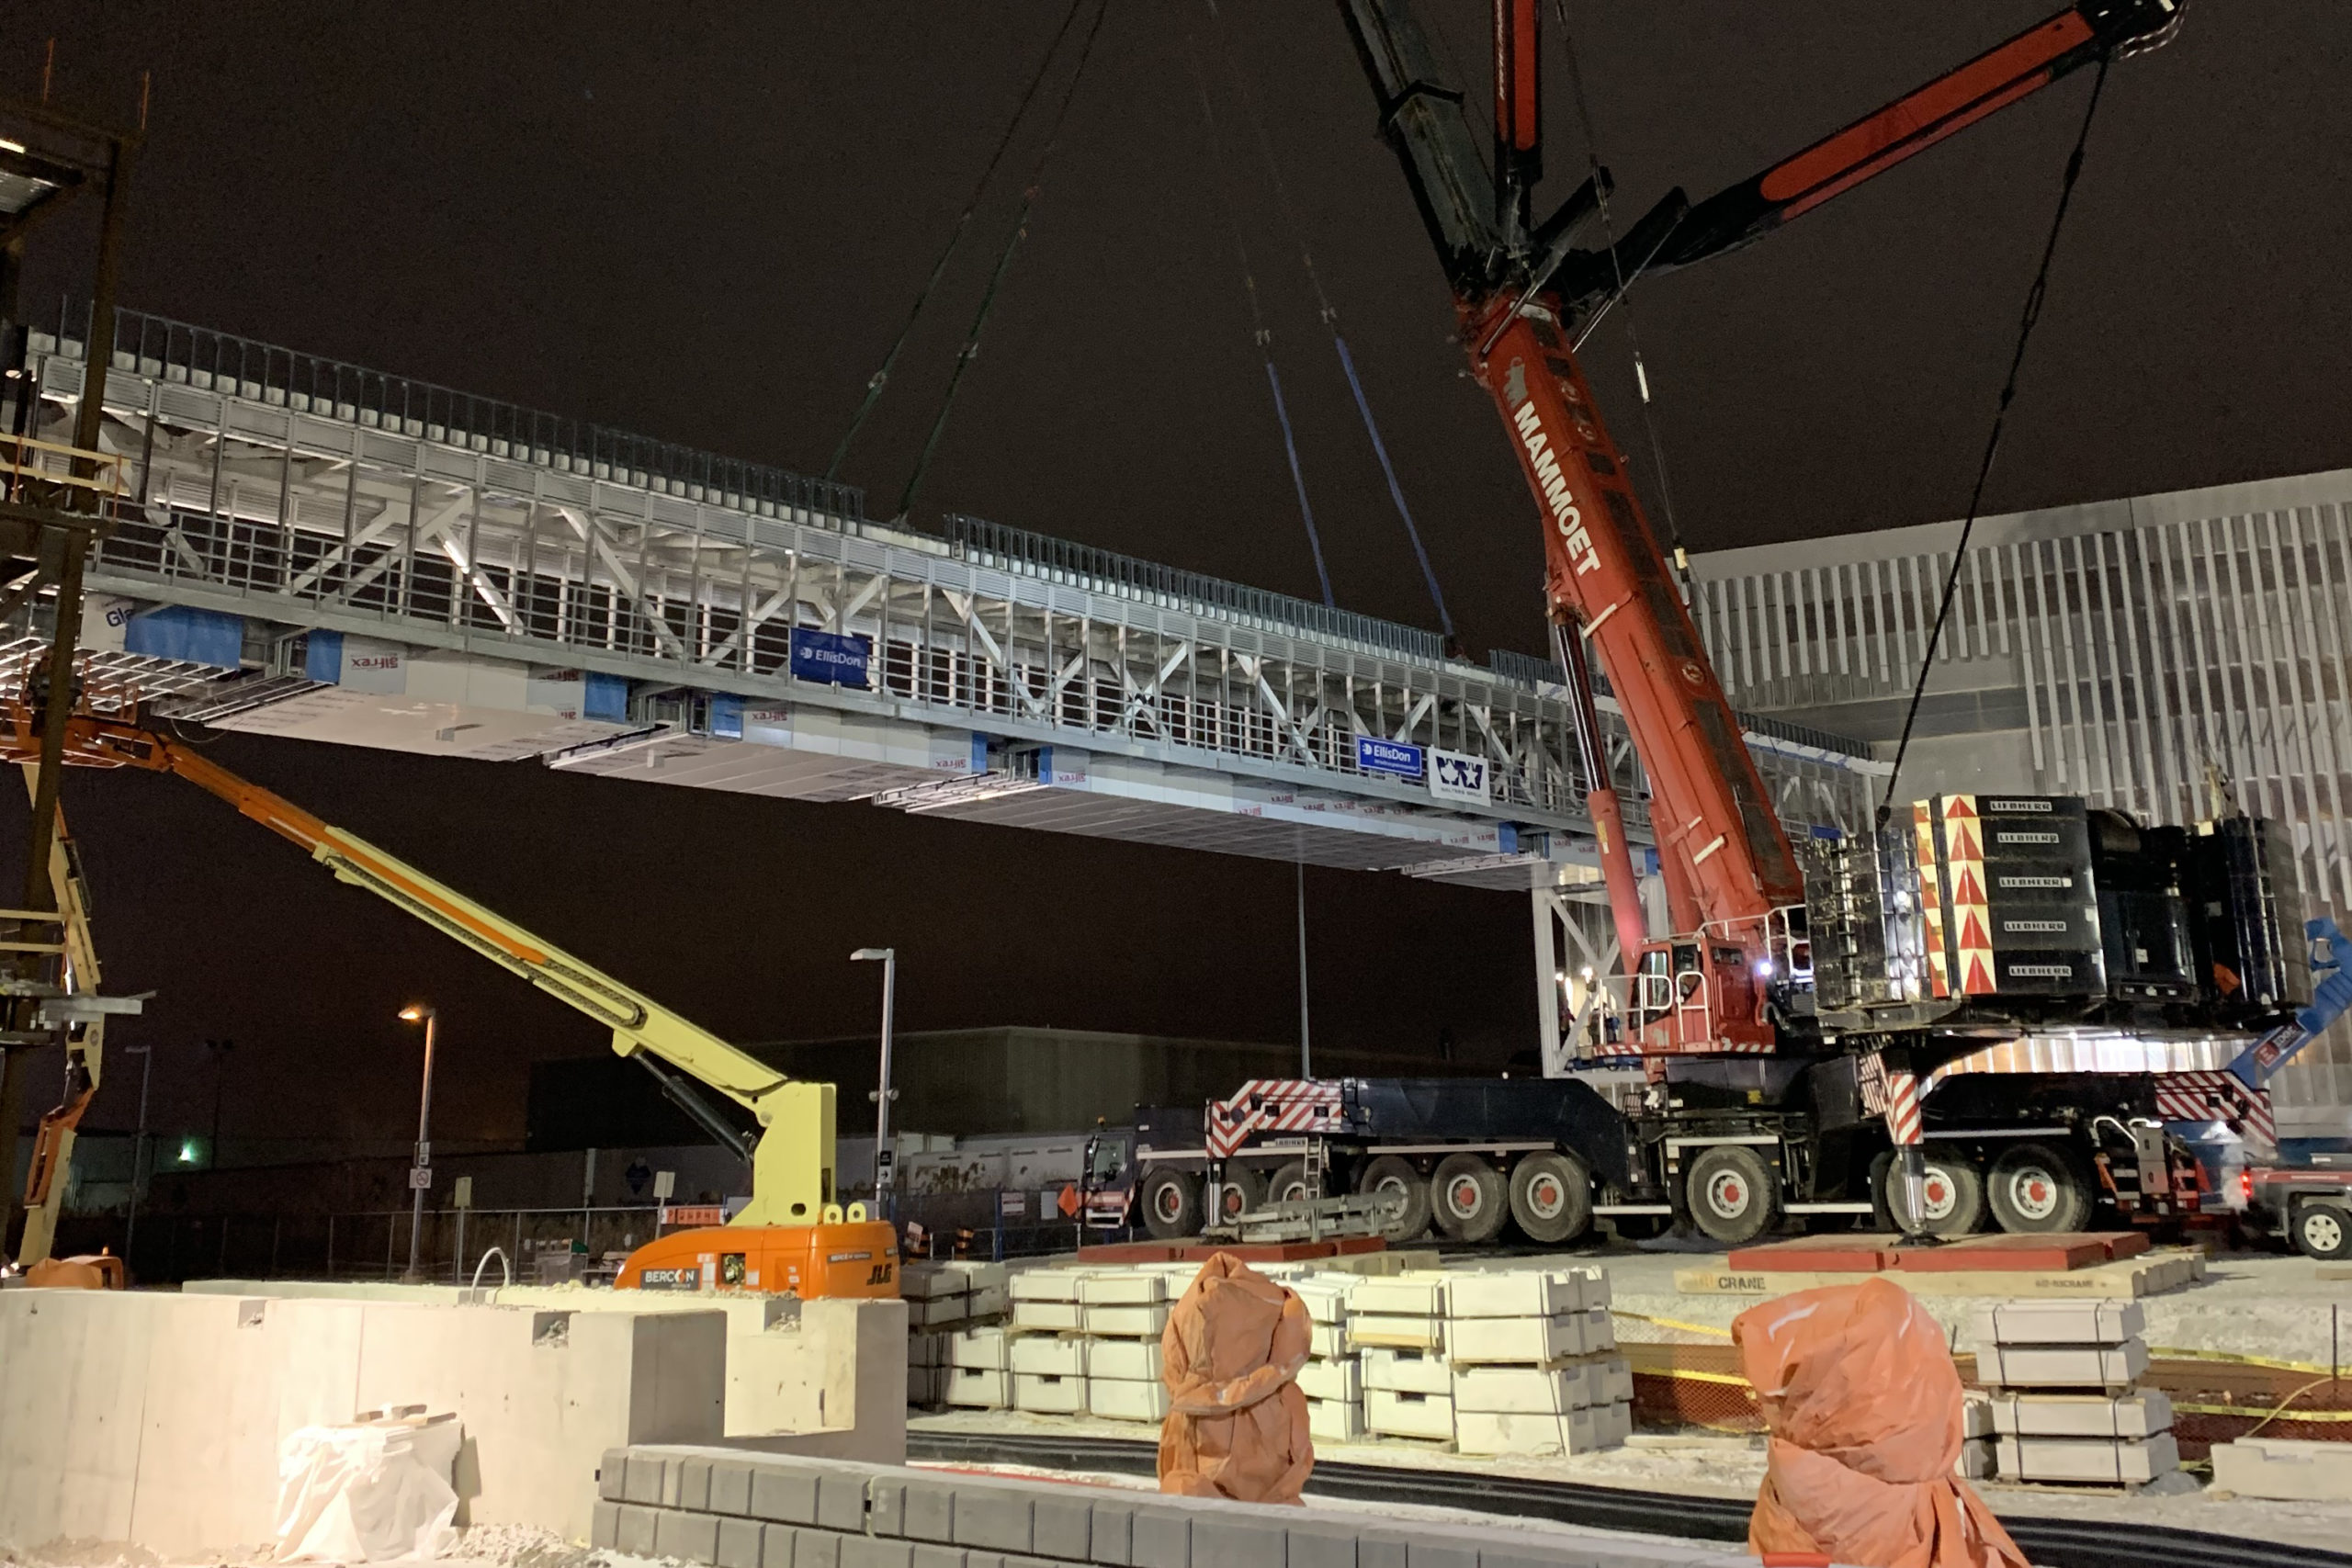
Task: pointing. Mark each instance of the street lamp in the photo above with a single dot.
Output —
(884, 1157)
(420, 1176)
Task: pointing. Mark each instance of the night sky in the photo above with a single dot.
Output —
(706, 223)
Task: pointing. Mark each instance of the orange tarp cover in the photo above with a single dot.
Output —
(1230, 1356)
(1859, 1390)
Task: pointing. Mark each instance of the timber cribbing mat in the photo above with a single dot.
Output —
(2050, 1542)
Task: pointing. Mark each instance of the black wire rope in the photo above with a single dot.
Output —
(971, 349)
(955, 239)
(2032, 313)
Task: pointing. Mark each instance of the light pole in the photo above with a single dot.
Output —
(884, 1157)
(146, 1054)
(420, 1176)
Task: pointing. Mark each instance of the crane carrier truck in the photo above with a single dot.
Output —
(1987, 1007)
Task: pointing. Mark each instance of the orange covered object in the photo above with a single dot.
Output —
(1865, 1408)
(1237, 1422)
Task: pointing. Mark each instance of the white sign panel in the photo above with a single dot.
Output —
(1453, 776)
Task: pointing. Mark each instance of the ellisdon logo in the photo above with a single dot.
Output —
(1565, 514)
(828, 653)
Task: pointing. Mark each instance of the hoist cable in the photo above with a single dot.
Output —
(1258, 331)
(955, 239)
(971, 349)
(1330, 317)
(1617, 298)
(2032, 313)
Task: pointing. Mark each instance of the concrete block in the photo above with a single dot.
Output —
(1044, 1316)
(981, 1276)
(1336, 1420)
(1326, 1298)
(810, 1549)
(1133, 1322)
(931, 1554)
(1977, 1460)
(991, 1301)
(2284, 1469)
(919, 1281)
(994, 1516)
(1976, 1415)
(1132, 1360)
(1599, 1331)
(1332, 1379)
(1116, 1399)
(1061, 1526)
(740, 1543)
(1393, 1332)
(929, 1508)
(983, 1349)
(885, 1505)
(1110, 1537)
(649, 1480)
(927, 1386)
(693, 1483)
(1162, 1538)
(1407, 1371)
(2142, 1415)
(1517, 1435)
(1050, 1395)
(872, 1552)
(1329, 1341)
(1322, 1545)
(1048, 1356)
(1239, 1541)
(2066, 1366)
(1046, 1285)
(612, 1476)
(1121, 1289)
(927, 1348)
(2100, 1322)
(841, 1500)
(2113, 1460)
(690, 1537)
(783, 1491)
(1398, 1414)
(933, 1311)
(1406, 1295)
(604, 1525)
(1518, 1293)
(1380, 1548)
(635, 1529)
(1528, 1390)
(979, 1389)
(1435, 1552)
(1612, 1423)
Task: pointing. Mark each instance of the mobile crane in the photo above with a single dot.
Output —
(2041, 969)
(792, 1236)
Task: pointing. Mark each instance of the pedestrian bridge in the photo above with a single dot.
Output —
(330, 553)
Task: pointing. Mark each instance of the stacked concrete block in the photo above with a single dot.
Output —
(1534, 1364)
(2063, 1404)
(739, 1509)
(1045, 1300)
(979, 1374)
(944, 1299)
(1332, 1379)
(1396, 1327)
(2284, 1470)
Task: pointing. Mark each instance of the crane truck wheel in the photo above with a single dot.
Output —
(1290, 1184)
(1733, 1195)
(2322, 1231)
(2037, 1189)
(1551, 1196)
(1469, 1199)
(1243, 1191)
(1955, 1195)
(1394, 1173)
(1172, 1204)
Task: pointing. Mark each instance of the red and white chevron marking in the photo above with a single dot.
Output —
(1870, 1080)
(1271, 1105)
(2215, 1097)
(1903, 1108)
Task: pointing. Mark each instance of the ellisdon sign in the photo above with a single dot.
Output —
(833, 657)
(1375, 755)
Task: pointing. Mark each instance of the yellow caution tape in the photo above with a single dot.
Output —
(2280, 1412)
(2172, 1353)
(1673, 1323)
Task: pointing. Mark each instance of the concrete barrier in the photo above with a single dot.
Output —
(831, 1374)
(154, 1419)
(723, 1508)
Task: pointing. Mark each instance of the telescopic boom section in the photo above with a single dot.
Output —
(792, 1167)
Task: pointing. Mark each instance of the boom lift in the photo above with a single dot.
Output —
(791, 1236)
(1791, 1007)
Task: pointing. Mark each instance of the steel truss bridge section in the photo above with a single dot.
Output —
(370, 561)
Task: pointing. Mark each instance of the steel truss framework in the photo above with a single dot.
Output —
(479, 533)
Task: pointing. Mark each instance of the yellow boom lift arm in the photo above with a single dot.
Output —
(792, 1161)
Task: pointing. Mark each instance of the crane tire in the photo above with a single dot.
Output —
(1395, 1171)
(1551, 1197)
(1469, 1199)
(1734, 1196)
(1172, 1204)
(2038, 1188)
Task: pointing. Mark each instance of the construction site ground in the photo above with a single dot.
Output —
(1727, 1466)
